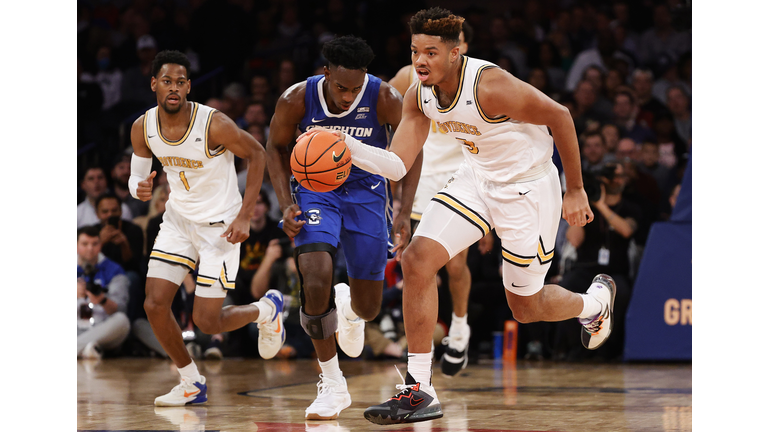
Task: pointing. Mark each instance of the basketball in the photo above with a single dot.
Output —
(321, 162)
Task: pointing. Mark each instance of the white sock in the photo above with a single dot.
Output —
(331, 368)
(190, 372)
(591, 307)
(266, 311)
(346, 310)
(420, 367)
(457, 322)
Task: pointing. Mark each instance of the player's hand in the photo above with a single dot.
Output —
(290, 225)
(108, 234)
(238, 231)
(144, 189)
(576, 210)
(313, 131)
(401, 234)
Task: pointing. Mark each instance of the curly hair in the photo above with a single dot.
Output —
(349, 52)
(437, 21)
(169, 57)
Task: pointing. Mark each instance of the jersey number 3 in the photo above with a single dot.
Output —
(470, 145)
(183, 178)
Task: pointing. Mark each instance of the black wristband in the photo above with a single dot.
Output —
(103, 301)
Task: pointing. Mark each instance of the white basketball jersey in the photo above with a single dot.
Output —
(203, 182)
(442, 152)
(498, 149)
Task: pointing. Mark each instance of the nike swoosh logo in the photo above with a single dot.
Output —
(376, 185)
(150, 136)
(518, 286)
(186, 395)
(278, 326)
(214, 223)
(419, 401)
(338, 158)
(427, 101)
(315, 121)
(521, 193)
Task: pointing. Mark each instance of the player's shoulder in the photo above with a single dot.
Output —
(294, 93)
(387, 92)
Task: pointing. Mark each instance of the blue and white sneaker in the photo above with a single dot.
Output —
(596, 330)
(186, 393)
(272, 333)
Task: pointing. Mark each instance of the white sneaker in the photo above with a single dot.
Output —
(187, 392)
(596, 330)
(91, 351)
(272, 333)
(349, 334)
(332, 397)
(456, 355)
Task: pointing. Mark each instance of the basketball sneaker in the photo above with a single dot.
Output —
(456, 354)
(416, 402)
(272, 333)
(350, 334)
(596, 330)
(332, 397)
(187, 392)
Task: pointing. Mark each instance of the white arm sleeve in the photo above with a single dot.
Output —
(376, 160)
(140, 169)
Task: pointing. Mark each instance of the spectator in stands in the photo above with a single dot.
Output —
(649, 107)
(136, 89)
(102, 298)
(255, 114)
(585, 116)
(234, 100)
(679, 106)
(672, 149)
(596, 76)
(260, 91)
(547, 57)
(108, 77)
(662, 38)
(611, 136)
(625, 112)
(89, 101)
(593, 151)
(649, 163)
(602, 247)
(120, 173)
(667, 72)
(598, 56)
(94, 184)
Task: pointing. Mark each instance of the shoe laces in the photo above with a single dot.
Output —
(267, 330)
(325, 385)
(350, 327)
(403, 387)
(454, 341)
(595, 326)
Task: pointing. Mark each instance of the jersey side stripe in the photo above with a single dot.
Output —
(468, 214)
(218, 151)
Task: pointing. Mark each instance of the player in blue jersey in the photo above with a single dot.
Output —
(356, 215)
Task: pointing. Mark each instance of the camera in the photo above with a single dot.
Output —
(593, 180)
(286, 245)
(88, 273)
(114, 221)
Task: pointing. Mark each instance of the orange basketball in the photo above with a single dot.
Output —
(322, 162)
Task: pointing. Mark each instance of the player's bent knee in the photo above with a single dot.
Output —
(319, 327)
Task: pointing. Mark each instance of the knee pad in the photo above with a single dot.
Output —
(319, 326)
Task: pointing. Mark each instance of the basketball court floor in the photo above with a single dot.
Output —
(252, 395)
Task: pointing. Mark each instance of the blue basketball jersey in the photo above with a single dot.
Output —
(360, 120)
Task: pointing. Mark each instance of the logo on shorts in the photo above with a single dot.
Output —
(450, 180)
(313, 216)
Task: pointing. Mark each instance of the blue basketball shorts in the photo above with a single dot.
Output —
(356, 216)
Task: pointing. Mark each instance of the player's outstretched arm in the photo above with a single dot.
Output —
(527, 104)
(140, 182)
(282, 134)
(223, 131)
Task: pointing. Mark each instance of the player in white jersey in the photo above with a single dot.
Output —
(507, 181)
(442, 157)
(204, 222)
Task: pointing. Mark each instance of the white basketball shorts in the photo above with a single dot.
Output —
(429, 186)
(183, 245)
(525, 216)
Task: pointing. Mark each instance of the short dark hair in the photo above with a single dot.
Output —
(89, 230)
(169, 57)
(626, 93)
(107, 195)
(349, 52)
(437, 21)
(92, 167)
(590, 134)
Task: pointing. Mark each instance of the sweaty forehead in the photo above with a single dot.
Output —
(349, 78)
(424, 41)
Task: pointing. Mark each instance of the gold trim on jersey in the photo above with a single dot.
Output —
(544, 257)
(172, 259)
(467, 213)
(458, 91)
(477, 102)
(416, 216)
(418, 98)
(205, 281)
(189, 128)
(218, 151)
(146, 137)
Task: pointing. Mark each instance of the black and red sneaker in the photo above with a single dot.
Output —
(416, 402)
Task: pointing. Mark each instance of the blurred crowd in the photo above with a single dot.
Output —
(622, 68)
